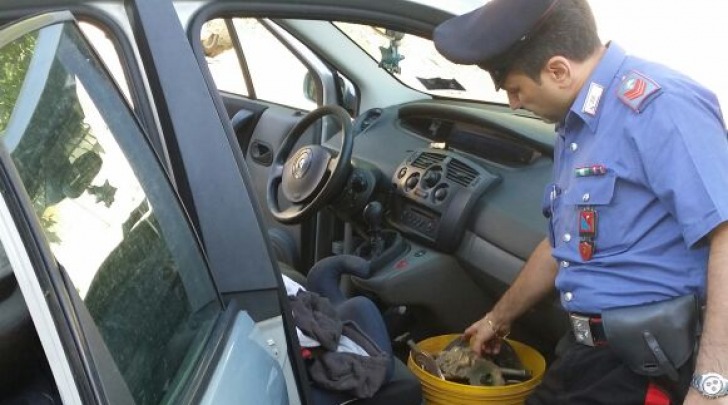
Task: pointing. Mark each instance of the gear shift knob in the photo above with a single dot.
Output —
(373, 215)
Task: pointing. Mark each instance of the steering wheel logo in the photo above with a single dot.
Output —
(303, 162)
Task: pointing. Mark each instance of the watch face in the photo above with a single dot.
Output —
(712, 384)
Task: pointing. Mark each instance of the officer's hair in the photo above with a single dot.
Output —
(570, 31)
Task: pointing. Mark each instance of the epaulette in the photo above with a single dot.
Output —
(637, 90)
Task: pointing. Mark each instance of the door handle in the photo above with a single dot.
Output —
(261, 153)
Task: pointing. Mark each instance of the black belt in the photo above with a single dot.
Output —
(588, 329)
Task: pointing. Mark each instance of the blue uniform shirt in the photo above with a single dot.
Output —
(661, 188)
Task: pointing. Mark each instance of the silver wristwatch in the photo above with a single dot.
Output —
(710, 385)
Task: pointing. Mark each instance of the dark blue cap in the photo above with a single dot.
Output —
(491, 35)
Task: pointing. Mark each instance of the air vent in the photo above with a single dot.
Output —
(460, 173)
(427, 159)
(365, 120)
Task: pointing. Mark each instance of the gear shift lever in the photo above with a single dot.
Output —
(373, 212)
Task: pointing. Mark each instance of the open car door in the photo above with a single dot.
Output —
(108, 294)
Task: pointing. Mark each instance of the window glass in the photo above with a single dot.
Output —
(107, 209)
(106, 50)
(278, 76)
(415, 62)
(223, 62)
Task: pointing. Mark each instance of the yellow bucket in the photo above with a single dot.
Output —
(437, 391)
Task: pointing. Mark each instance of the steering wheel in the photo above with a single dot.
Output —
(311, 177)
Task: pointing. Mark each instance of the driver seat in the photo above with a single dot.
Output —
(401, 387)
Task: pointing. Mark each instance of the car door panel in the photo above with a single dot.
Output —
(232, 381)
(244, 115)
(113, 314)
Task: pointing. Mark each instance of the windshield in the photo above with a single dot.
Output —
(415, 61)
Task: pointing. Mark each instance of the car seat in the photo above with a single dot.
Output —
(401, 387)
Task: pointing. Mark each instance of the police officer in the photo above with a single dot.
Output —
(639, 201)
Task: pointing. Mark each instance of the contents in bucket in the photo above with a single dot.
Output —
(460, 364)
(425, 360)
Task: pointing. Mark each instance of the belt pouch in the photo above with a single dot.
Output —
(654, 339)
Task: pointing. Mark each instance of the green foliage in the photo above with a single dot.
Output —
(56, 156)
(14, 61)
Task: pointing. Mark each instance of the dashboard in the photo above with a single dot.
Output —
(448, 170)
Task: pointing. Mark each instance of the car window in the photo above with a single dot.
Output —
(104, 47)
(223, 62)
(274, 73)
(414, 61)
(106, 207)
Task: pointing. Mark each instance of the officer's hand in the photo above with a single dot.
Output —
(483, 338)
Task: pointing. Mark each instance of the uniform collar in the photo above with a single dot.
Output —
(590, 101)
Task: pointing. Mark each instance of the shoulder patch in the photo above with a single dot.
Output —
(637, 90)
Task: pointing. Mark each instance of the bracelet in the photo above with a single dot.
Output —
(495, 330)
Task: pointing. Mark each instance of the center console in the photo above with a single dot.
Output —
(434, 193)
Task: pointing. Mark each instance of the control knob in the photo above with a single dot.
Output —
(411, 182)
(441, 194)
(431, 178)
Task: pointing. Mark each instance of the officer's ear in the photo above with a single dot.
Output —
(559, 71)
